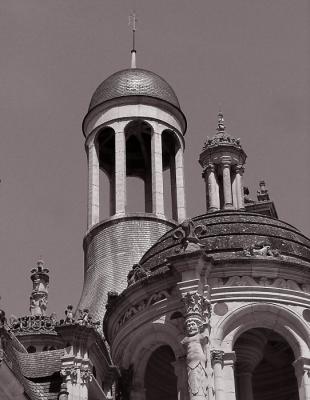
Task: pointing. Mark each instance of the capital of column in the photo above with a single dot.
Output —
(239, 169)
(225, 164)
(217, 356)
(197, 312)
(208, 169)
(302, 366)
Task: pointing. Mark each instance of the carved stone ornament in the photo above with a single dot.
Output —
(222, 137)
(188, 234)
(196, 305)
(217, 356)
(263, 281)
(86, 375)
(33, 324)
(261, 248)
(196, 365)
(84, 319)
(143, 305)
(136, 274)
(70, 372)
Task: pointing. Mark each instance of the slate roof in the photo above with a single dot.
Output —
(41, 364)
(133, 82)
(233, 231)
(37, 372)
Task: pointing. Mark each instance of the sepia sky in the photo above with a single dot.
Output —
(251, 58)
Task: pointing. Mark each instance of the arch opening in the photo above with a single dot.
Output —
(138, 166)
(264, 369)
(105, 142)
(160, 381)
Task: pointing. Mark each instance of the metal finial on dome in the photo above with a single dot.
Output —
(132, 24)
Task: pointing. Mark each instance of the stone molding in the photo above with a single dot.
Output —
(189, 236)
(143, 305)
(217, 356)
(246, 280)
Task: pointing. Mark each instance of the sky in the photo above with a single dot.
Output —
(249, 58)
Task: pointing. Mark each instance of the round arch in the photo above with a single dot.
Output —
(271, 316)
(145, 341)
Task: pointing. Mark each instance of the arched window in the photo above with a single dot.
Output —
(105, 142)
(160, 381)
(138, 166)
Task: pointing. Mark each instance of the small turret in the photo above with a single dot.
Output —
(39, 293)
(222, 159)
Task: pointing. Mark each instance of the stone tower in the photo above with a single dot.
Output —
(134, 127)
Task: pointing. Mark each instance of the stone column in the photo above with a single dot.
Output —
(239, 187)
(234, 191)
(179, 182)
(120, 172)
(245, 385)
(217, 358)
(302, 372)
(229, 376)
(213, 189)
(157, 175)
(93, 185)
(227, 186)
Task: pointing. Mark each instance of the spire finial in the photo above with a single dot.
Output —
(132, 24)
(220, 122)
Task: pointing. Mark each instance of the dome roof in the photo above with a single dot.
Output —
(133, 82)
(233, 231)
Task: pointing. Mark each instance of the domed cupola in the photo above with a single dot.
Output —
(134, 128)
(222, 159)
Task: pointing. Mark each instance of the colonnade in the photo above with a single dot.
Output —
(224, 188)
(154, 186)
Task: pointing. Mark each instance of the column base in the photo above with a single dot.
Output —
(229, 207)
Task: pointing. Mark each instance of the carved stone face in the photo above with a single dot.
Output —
(192, 327)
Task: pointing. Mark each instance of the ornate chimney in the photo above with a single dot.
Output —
(39, 294)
